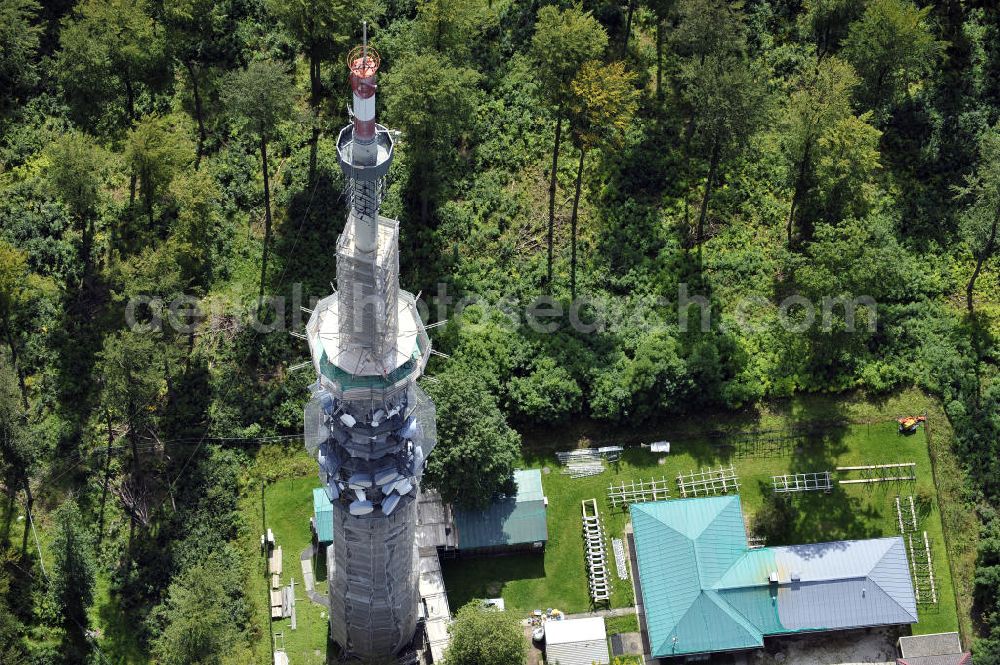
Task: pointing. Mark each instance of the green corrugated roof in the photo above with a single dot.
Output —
(323, 515)
(507, 521)
(349, 381)
(683, 546)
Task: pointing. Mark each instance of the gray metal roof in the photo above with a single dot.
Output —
(844, 584)
(937, 644)
(576, 642)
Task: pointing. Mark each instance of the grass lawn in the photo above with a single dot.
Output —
(623, 624)
(289, 506)
(559, 579)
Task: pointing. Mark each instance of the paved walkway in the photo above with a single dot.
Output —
(307, 577)
(616, 612)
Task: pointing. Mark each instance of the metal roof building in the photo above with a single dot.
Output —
(322, 516)
(508, 521)
(935, 649)
(576, 642)
(704, 590)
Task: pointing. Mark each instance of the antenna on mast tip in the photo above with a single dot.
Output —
(364, 39)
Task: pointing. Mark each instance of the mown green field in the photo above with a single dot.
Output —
(289, 507)
(559, 579)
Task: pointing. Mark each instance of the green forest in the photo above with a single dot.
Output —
(621, 213)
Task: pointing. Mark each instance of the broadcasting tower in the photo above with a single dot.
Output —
(368, 424)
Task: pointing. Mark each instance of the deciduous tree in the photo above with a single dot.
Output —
(981, 218)
(890, 46)
(821, 98)
(19, 34)
(322, 27)
(433, 103)
(563, 41)
(477, 450)
(75, 170)
(202, 35)
(729, 101)
(261, 96)
(109, 48)
(485, 636)
(451, 27)
(826, 22)
(603, 103)
(156, 150)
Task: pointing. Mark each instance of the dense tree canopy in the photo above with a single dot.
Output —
(481, 636)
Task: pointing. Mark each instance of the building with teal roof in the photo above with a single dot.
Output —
(509, 523)
(322, 520)
(704, 590)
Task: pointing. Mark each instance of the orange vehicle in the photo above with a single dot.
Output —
(909, 424)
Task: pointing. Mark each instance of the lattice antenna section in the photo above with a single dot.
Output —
(365, 197)
(624, 494)
(597, 558)
(708, 482)
(368, 290)
(802, 482)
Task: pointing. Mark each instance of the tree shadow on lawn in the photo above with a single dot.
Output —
(470, 579)
(822, 517)
(816, 517)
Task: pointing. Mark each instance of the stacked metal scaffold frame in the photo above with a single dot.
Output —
(802, 482)
(585, 462)
(368, 424)
(708, 482)
(921, 560)
(621, 562)
(872, 474)
(922, 565)
(597, 558)
(906, 515)
(624, 494)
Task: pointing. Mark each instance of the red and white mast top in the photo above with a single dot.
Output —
(363, 61)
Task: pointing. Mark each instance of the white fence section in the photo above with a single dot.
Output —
(708, 482)
(623, 493)
(802, 482)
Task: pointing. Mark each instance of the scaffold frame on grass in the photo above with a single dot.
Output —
(906, 515)
(763, 444)
(922, 567)
(871, 474)
(597, 560)
(708, 482)
(802, 482)
(624, 493)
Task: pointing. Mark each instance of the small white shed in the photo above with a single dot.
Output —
(576, 642)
